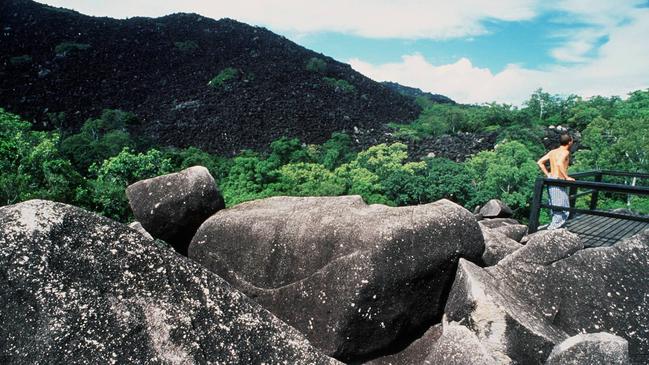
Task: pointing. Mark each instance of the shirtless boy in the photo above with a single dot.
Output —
(559, 159)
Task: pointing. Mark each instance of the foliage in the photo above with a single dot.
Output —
(450, 180)
(248, 179)
(31, 164)
(316, 64)
(307, 179)
(506, 173)
(107, 194)
(20, 60)
(614, 135)
(531, 137)
(184, 158)
(70, 47)
(99, 139)
(366, 174)
(340, 85)
(226, 75)
(186, 46)
(336, 151)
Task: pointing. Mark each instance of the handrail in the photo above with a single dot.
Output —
(614, 188)
(594, 186)
(641, 175)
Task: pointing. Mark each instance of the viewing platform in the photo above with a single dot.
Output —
(597, 228)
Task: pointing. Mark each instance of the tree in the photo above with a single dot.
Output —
(99, 139)
(446, 179)
(506, 173)
(308, 179)
(31, 165)
(107, 192)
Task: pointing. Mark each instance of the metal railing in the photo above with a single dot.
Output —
(594, 187)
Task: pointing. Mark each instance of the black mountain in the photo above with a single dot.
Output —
(56, 60)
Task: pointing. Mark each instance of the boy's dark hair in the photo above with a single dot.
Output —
(565, 139)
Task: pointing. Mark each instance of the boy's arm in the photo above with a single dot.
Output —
(541, 162)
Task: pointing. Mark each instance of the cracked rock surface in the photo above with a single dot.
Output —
(591, 349)
(551, 289)
(79, 288)
(172, 207)
(356, 279)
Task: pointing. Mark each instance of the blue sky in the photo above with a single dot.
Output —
(472, 51)
(526, 43)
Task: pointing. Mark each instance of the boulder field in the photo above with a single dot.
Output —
(295, 280)
(79, 288)
(356, 279)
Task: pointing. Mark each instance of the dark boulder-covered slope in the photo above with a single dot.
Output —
(77, 288)
(56, 60)
(414, 92)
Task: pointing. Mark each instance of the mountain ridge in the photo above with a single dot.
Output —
(159, 69)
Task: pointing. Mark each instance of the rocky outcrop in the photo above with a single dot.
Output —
(79, 288)
(497, 222)
(515, 232)
(415, 353)
(458, 346)
(591, 349)
(355, 279)
(172, 207)
(536, 297)
(138, 227)
(510, 328)
(497, 246)
(495, 208)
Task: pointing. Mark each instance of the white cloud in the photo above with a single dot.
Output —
(369, 18)
(598, 18)
(620, 65)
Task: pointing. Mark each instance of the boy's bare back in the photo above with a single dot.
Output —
(559, 159)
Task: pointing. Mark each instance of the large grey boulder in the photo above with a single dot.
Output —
(355, 278)
(172, 207)
(79, 288)
(495, 209)
(498, 222)
(565, 288)
(138, 227)
(497, 246)
(513, 231)
(458, 346)
(511, 329)
(591, 349)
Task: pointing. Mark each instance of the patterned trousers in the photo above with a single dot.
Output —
(558, 197)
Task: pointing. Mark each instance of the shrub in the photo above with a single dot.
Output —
(224, 77)
(31, 165)
(99, 139)
(108, 191)
(69, 47)
(20, 60)
(186, 46)
(316, 64)
(308, 179)
(340, 85)
(506, 173)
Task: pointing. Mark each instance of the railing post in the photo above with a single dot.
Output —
(572, 192)
(535, 209)
(595, 194)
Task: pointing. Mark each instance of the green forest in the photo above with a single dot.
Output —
(91, 167)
